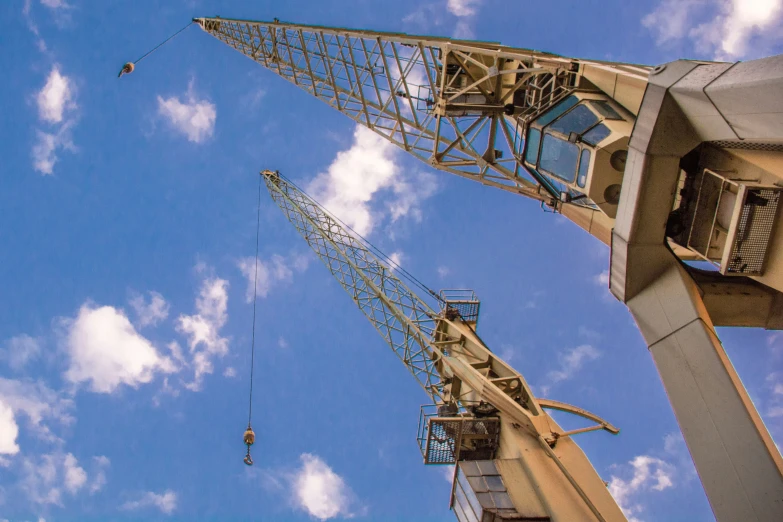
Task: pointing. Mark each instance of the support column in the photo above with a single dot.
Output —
(738, 463)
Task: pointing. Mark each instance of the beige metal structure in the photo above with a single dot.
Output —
(484, 411)
(668, 164)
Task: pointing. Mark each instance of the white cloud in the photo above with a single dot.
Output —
(354, 176)
(320, 491)
(602, 278)
(282, 343)
(44, 480)
(152, 313)
(671, 20)
(725, 28)
(646, 473)
(443, 271)
(20, 350)
(75, 476)
(395, 260)
(56, 101)
(38, 404)
(230, 372)
(277, 269)
(571, 361)
(105, 350)
(166, 502)
(100, 464)
(203, 328)
(366, 169)
(9, 430)
(193, 117)
(56, 97)
(55, 4)
(44, 151)
(463, 8)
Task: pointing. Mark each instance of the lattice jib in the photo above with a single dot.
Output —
(404, 321)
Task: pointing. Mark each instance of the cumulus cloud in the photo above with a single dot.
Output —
(571, 361)
(55, 4)
(149, 313)
(47, 478)
(367, 168)
(202, 329)
(166, 502)
(725, 28)
(320, 491)
(56, 102)
(9, 430)
(20, 350)
(105, 351)
(230, 372)
(602, 278)
(46, 146)
(192, 116)
(462, 7)
(644, 473)
(277, 269)
(100, 465)
(37, 403)
(56, 97)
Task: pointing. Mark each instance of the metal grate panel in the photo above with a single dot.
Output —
(461, 304)
(748, 145)
(754, 231)
(449, 439)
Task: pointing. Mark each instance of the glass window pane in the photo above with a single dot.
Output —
(470, 496)
(478, 485)
(502, 500)
(533, 141)
(584, 166)
(578, 120)
(596, 135)
(558, 157)
(557, 110)
(495, 483)
(606, 110)
(469, 468)
(460, 499)
(487, 467)
(459, 512)
(486, 500)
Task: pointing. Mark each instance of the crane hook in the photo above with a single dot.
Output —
(126, 69)
(249, 438)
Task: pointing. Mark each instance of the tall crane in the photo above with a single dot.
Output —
(666, 164)
(513, 461)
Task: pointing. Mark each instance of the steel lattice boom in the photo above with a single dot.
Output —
(406, 322)
(460, 106)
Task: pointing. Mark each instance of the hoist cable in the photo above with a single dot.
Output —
(255, 298)
(163, 42)
(130, 66)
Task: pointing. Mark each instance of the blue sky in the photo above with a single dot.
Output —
(128, 210)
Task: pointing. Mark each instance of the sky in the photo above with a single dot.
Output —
(128, 212)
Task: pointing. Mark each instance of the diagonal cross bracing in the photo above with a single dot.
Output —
(443, 101)
(403, 320)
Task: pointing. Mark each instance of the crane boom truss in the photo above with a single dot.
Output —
(441, 100)
(405, 321)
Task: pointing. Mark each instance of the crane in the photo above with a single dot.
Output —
(666, 165)
(483, 416)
